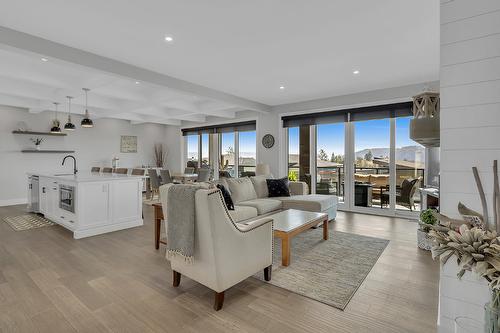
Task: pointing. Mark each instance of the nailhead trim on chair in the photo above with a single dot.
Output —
(221, 198)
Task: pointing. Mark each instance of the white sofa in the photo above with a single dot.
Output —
(225, 253)
(251, 199)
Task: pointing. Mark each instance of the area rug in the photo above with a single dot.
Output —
(27, 222)
(328, 271)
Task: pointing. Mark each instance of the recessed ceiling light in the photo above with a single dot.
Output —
(282, 87)
(45, 59)
(137, 82)
(355, 72)
(169, 39)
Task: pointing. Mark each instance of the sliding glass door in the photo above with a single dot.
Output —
(410, 168)
(330, 147)
(364, 156)
(372, 150)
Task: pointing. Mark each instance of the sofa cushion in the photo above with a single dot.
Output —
(260, 186)
(278, 187)
(379, 180)
(227, 197)
(264, 205)
(241, 189)
(311, 202)
(359, 177)
(241, 213)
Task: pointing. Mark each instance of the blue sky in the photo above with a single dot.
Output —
(369, 134)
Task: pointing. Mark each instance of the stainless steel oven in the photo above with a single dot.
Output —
(67, 198)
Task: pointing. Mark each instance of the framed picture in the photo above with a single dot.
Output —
(128, 144)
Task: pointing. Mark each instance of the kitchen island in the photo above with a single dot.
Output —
(87, 204)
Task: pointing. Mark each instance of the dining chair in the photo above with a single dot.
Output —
(189, 170)
(155, 182)
(203, 175)
(95, 169)
(138, 172)
(165, 177)
(121, 171)
(107, 170)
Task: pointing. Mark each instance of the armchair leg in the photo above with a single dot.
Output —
(176, 278)
(218, 301)
(268, 272)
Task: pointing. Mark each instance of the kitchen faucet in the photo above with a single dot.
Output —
(74, 162)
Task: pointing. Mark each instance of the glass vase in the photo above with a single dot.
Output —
(467, 325)
(492, 317)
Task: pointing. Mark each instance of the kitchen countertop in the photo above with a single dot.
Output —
(86, 177)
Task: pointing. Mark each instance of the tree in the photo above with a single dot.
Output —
(230, 150)
(322, 155)
(332, 159)
(369, 156)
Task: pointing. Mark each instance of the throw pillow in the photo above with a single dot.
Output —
(260, 186)
(226, 196)
(278, 187)
(241, 189)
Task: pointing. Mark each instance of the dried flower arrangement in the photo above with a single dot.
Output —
(475, 244)
(160, 155)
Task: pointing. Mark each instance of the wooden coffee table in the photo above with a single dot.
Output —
(291, 222)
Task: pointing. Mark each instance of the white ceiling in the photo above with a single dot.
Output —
(242, 48)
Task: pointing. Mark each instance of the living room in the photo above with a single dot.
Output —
(261, 166)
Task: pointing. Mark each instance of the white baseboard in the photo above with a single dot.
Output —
(12, 202)
(77, 234)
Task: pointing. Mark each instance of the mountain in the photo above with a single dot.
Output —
(407, 153)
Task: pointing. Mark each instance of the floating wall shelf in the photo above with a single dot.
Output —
(47, 151)
(39, 133)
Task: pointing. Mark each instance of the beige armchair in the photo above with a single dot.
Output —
(225, 252)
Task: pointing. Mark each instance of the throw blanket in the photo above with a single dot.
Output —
(180, 221)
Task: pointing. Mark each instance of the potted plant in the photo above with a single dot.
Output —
(37, 142)
(473, 241)
(427, 219)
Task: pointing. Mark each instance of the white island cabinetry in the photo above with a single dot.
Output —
(92, 204)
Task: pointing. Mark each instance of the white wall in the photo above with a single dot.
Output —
(93, 147)
(470, 114)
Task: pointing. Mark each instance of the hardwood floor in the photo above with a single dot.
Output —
(118, 282)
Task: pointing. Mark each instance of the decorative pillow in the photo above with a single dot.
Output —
(260, 186)
(278, 187)
(227, 197)
(241, 189)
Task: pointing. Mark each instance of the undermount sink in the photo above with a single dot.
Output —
(63, 174)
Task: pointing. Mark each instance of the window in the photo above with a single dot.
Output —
(226, 152)
(293, 153)
(330, 159)
(205, 150)
(410, 167)
(247, 153)
(192, 150)
(372, 153)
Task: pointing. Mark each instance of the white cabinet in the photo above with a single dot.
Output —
(94, 204)
(49, 197)
(102, 203)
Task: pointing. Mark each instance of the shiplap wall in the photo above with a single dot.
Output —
(470, 130)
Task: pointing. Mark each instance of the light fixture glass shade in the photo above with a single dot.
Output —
(69, 126)
(56, 125)
(86, 121)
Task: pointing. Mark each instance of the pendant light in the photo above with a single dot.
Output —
(55, 123)
(86, 121)
(69, 125)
